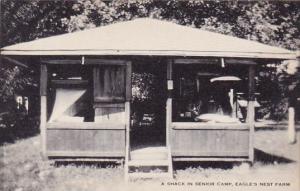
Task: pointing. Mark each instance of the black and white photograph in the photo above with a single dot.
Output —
(125, 95)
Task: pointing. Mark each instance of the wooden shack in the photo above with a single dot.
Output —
(86, 93)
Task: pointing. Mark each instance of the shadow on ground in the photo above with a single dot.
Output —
(267, 158)
(260, 157)
(92, 164)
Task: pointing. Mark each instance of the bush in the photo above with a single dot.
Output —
(16, 124)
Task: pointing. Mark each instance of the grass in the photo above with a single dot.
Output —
(22, 169)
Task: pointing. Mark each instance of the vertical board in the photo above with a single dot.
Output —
(251, 110)
(109, 83)
(43, 80)
(169, 103)
(43, 112)
(110, 87)
(128, 86)
(128, 80)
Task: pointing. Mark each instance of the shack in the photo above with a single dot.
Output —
(86, 93)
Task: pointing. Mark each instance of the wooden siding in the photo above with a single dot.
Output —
(85, 125)
(210, 142)
(109, 84)
(84, 142)
(113, 114)
(198, 125)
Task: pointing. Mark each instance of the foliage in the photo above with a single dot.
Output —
(142, 86)
(28, 20)
(23, 21)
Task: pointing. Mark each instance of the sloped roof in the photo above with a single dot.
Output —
(147, 36)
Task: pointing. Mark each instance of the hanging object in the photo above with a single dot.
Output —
(225, 78)
(82, 60)
(222, 63)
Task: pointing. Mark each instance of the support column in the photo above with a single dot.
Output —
(127, 118)
(251, 110)
(291, 126)
(43, 107)
(127, 103)
(291, 111)
(169, 101)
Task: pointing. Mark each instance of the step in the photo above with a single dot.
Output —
(151, 149)
(148, 163)
(150, 175)
(145, 156)
(150, 153)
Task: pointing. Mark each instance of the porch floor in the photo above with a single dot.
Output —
(147, 137)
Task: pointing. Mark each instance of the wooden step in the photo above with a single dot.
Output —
(139, 175)
(153, 156)
(148, 163)
(150, 153)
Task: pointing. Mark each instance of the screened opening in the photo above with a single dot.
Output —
(69, 97)
(210, 93)
(87, 93)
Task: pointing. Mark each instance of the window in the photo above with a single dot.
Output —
(208, 93)
(70, 94)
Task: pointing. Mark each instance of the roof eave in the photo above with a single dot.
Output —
(255, 55)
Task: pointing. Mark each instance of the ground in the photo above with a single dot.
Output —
(276, 168)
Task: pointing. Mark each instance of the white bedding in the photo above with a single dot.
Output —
(216, 118)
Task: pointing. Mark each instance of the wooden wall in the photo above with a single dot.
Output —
(206, 142)
(86, 142)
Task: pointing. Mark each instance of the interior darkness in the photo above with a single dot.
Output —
(148, 112)
(194, 90)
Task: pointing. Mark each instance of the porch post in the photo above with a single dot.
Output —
(127, 118)
(251, 110)
(43, 107)
(291, 111)
(127, 102)
(169, 101)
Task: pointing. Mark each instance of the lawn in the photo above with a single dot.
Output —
(276, 168)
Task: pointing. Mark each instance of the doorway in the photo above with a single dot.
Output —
(148, 106)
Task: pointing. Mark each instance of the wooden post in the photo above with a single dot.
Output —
(128, 80)
(251, 110)
(291, 126)
(291, 112)
(127, 118)
(43, 114)
(169, 102)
